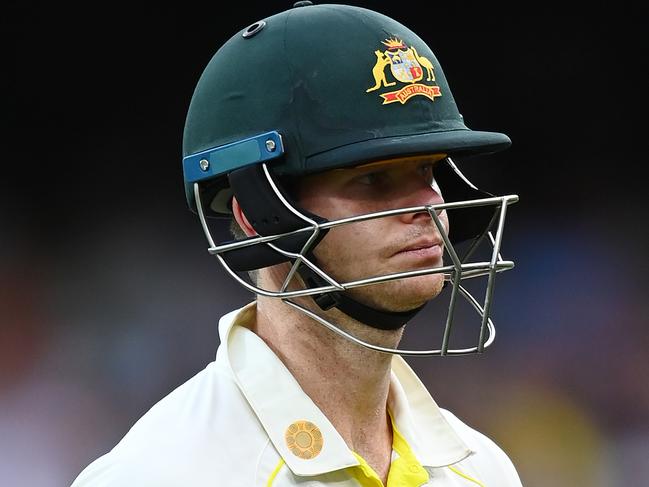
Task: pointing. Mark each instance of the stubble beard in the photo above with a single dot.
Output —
(401, 294)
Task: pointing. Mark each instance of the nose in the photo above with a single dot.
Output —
(419, 193)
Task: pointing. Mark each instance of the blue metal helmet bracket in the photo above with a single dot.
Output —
(218, 161)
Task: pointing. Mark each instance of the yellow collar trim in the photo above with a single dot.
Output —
(457, 471)
(405, 471)
(278, 467)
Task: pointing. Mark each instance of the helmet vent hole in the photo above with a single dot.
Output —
(264, 221)
(276, 220)
(253, 29)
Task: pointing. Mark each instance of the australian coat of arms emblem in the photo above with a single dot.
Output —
(407, 67)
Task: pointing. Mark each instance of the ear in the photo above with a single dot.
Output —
(241, 218)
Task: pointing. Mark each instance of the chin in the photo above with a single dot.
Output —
(402, 294)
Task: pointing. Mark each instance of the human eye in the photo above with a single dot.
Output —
(426, 171)
(371, 178)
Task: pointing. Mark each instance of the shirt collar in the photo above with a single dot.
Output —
(279, 402)
(432, 439)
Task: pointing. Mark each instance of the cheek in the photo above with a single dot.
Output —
(331, 209)
(333, 204)
(348, 248)
(314, 205)
(445, 221)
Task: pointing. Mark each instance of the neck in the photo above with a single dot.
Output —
(348, 382)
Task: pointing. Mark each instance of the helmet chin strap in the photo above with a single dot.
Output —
(269, 215)
(379, 319)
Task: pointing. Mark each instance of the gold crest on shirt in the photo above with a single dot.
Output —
(304, 439)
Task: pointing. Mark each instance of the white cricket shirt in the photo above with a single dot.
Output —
(244, 421)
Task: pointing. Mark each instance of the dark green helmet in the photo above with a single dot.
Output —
(341, 85)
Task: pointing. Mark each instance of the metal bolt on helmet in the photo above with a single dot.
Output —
(326, 87)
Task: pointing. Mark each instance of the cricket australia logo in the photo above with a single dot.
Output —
(406, 66)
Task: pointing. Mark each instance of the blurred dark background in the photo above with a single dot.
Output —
(109, 300)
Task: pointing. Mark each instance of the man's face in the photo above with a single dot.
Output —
(383, 245)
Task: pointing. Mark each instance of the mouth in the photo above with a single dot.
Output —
(425, 248)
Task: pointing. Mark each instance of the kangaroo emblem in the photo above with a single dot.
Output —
(428, 66)
(413, 73)
(378, 71)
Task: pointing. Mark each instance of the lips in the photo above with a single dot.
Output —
(423, 247)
